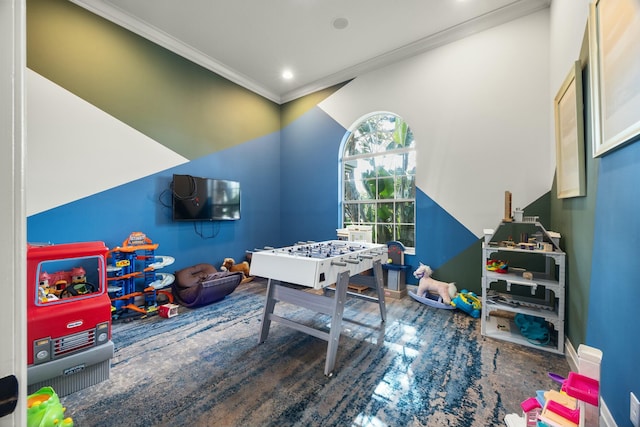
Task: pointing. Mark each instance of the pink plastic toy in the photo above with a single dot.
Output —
(531, 409)
(582, 388)
(572, 415)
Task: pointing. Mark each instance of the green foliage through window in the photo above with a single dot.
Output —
(378, 178)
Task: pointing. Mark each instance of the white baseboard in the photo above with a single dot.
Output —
(606, 419)
(571, 355)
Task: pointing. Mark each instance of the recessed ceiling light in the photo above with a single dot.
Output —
(287, 74)
(340, 23)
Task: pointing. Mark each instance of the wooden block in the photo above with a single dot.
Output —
(357, 288)
(390, 293)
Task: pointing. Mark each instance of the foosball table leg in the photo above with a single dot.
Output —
(336, 322)
(268, 311)
(377, 272)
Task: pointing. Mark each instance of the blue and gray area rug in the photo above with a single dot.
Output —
(204, 367)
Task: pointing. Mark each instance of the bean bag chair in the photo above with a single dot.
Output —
(202, 284)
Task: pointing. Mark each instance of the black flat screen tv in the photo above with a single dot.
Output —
(205, 199)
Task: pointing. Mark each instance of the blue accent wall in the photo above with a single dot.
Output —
(613, 324)
(439, 236)
(145, 205)
(309, 155)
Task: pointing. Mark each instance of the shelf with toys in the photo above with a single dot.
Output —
(523, 286)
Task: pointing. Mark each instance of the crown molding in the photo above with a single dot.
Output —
(497, 17)
(492, 19)
(149, 32)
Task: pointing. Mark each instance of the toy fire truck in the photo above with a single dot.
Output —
(69, 343)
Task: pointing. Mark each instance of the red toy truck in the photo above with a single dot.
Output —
(69, 343)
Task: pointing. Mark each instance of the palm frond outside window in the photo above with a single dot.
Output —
(378, 178)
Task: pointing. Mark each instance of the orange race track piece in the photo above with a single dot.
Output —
(125, 276)
(123, 297)
(135, 308)
(167, 293)
(135, 248)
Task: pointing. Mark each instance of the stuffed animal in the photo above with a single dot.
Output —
(447, 291)
(230, 265)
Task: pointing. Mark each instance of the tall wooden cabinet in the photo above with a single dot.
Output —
(533, 283)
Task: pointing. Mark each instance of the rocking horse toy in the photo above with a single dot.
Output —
(433, 292)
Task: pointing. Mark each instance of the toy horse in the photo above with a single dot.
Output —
(447, 291)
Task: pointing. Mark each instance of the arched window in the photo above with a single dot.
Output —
(378, 186)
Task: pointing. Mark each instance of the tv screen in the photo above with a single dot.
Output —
(205, 199)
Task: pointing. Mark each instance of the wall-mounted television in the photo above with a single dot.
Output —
(205, 199)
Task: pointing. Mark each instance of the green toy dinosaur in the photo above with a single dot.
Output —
(45, 410)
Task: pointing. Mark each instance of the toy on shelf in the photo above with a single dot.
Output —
(468, 302)
(533, 328)
(134, 283)
(45, 410)
(497, 266)
(507, 206)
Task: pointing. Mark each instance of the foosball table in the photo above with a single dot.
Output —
(319, 265)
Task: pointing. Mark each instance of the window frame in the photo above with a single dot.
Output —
(342, 170)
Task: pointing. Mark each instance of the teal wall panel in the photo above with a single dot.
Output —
(614, 321)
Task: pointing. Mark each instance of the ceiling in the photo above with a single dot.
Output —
(322, 42)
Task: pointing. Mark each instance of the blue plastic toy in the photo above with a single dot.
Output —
(431, 300)
(468, 302)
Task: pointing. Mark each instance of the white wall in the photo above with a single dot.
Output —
(479, 110)
(13, 262)
(74, 145)
(568, 24)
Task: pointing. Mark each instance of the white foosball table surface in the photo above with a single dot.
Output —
(316, 264)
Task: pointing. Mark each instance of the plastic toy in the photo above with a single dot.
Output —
(395, 272)
(582, 388)
(64, 284)
(431, 300)
(68, 316)
(396, 252)
(497, 266)
(531, 408)
(168, 310)
(468, 302)
(560, 410)
(572, 415)
(45, 410)
(427, 284)
(133, 277)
